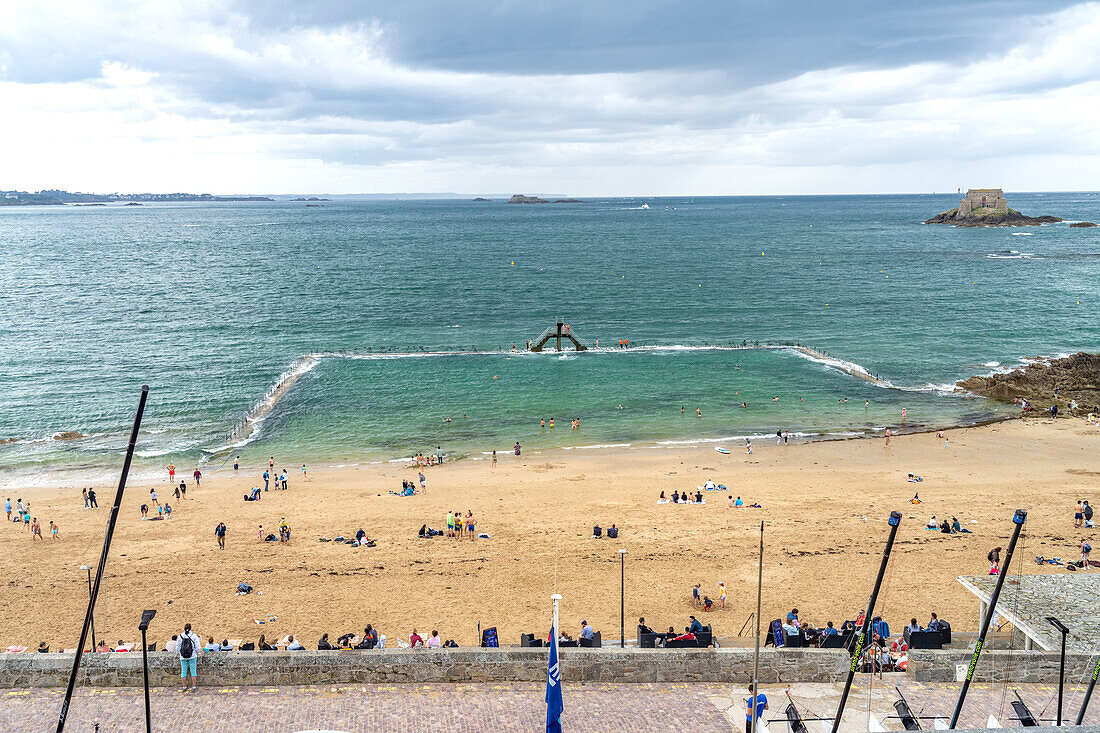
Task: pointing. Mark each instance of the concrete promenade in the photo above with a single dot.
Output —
(517, 706)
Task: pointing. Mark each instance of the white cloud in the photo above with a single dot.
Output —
(197, 97)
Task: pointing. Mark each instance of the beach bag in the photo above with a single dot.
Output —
(186, 647)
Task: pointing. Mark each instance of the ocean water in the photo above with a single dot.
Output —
(210, 304)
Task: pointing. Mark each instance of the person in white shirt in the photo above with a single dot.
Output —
(171, 645)
(187, 648)
(433, 641)
(293, 644)
(586, 630)
(709, 485)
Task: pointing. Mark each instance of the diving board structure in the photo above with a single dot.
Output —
(1026, 601)
(561, 331)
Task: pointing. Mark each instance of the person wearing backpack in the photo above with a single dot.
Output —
(1086, 548)
(188, 649)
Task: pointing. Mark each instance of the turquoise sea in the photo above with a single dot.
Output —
(211, 303)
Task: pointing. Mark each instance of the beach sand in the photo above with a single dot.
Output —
(820, 554)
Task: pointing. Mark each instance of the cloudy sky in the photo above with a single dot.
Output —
(585, 98)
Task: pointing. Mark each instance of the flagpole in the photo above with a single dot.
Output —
(557, 632)
(756, 654)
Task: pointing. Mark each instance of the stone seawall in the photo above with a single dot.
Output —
(452, 665)
(927, 665)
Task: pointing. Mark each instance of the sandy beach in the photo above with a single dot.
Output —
(824, 507)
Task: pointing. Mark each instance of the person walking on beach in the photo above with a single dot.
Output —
(439, 455)
(722, 595)
(517, 449)
(85, 492)
(171, 473)
(187, 647)
(183, 490)
(153, 496)
(91, 499)
(423, 481)
(304, 476)
(1078, 515)
(198, 475)
(237, 463)
(887, 438)
(53, 531)
(271, 464)
(219, 532)
(267, 479)
(7, 504)
(36, 530)
(494, 459)
(1086, 548)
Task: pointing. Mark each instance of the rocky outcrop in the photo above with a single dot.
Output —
(479, 198)
(990, 218)
(1081, 224)
(70, 435)
(519, 198)
(1075, 377)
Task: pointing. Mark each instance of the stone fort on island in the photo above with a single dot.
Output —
(983, 198)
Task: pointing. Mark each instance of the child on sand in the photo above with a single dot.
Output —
(722, 595)
(53, 531)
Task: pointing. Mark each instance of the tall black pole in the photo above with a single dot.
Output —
(145, 674)
(1061, 678)
(622, 599)
(1063, 629)
(895, 520)
(1018, 519)
(1088, 692)
(103, 558)
(89, 569)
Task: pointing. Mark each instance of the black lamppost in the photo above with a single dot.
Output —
(146, 617)
(89, 569)
(1062, 664)
(622, 599)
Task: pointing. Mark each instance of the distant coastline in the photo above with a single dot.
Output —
(57, 197)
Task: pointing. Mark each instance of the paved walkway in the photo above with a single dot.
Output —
(699, 708)
(382, 708)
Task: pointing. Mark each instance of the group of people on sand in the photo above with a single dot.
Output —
(682, 498)
(703, 601)
(23, 516)
(431, 459)
(461, 525)
(1082, 515)
(946, 527)
(164, 511)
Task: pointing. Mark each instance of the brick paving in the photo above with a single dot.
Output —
(353, 708)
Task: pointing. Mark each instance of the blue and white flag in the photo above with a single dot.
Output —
(554, 705)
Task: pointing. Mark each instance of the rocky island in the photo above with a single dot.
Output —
(1076, 377)
(987, 207)
(479, 198)
(519, 198)
(311, 198)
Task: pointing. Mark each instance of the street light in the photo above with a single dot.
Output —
(89, 569)
(1062, 664)
(622, 599)
(146, 617)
